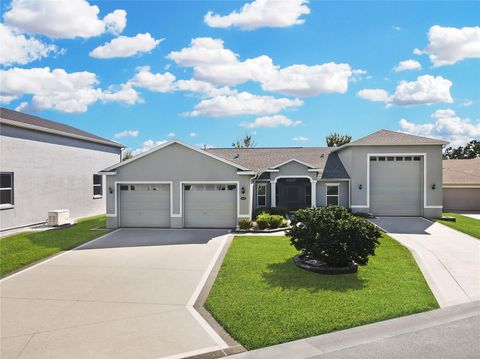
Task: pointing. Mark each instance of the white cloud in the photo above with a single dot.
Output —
(262, 13)
(116, 21)
(62, 19)
(148, 145)
(300, 138)
(271, 122)
(448, 45)
(213, 63)
(16, 48)
(193, 134)
(447, 125)
(243, 103)
(426, 90)
(125, 46)
(407, 65)
(58, 90)
(376, 95)
(398, 28)
(154, 82)
(303, 80)
(467, 103)
(171, 134)
(203, 87)
(124, 94)
(127, 133)
(359, 75)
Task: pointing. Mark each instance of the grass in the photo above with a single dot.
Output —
(463, 224)
(261, 298)
(19, 250)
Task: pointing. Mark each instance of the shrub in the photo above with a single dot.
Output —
(271, 210)
(333, 236)
(245, 224)
(263, 220)
(275, 221)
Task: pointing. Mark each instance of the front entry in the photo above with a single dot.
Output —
(293, 193)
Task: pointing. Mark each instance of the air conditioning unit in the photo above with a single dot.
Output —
(59, 217)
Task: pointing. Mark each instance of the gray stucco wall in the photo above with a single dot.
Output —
(176, 163)
(51, 172)
(355, 161)
(343, 193)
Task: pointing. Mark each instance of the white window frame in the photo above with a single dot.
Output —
(332, 195)
(97, 185)
(261, 195)
(11, 189)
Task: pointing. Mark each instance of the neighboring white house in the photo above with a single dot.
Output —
(45, 165)
(461, 185)
(177, 185)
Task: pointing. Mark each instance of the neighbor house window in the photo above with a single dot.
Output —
(6, 188)
(97, 185)
(332, 194)
(261, 195)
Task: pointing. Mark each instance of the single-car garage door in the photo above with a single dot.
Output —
(461, 199)
(145, 205)
(210, 205)
(396, 185)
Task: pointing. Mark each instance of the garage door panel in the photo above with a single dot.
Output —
(461, 199)
(210, 209)
(145, 206)
(395, 188)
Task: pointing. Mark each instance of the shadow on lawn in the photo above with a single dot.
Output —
(287, 275)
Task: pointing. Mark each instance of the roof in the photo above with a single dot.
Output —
(262, 159)
(20, 119)
(461, 172)
(392, 138)
(159, 147)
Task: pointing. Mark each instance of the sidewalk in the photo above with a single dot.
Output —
(443, 333)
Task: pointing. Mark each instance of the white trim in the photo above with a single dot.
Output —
(261, 184)
(460, 185)
(155, 149)
(112, 173)
(117, 193)
(335, 184)
(273, 194)
(292, 160)
(60, 133)
(294, 176)
(314, 170)
(313, 186)
(353, 144)
(246, 173)
(111, 215)
(274, 171)
(394, 154)
(313, 194)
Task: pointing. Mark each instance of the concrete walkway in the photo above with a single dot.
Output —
(129, 294)
(451, 332)
(449, 259)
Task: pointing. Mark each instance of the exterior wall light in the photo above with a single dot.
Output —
(243, 190)
(433, 186)
(360, 186)
(110, 190)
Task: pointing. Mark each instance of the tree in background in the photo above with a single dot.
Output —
(471, 150)
(126, 155)
(337, 140)
(245, 142)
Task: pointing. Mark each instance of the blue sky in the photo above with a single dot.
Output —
(436, 94)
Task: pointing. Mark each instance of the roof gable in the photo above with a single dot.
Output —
(292, 160)
(159, 147)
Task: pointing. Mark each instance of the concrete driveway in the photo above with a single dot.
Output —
(128, 294)
(449, 259)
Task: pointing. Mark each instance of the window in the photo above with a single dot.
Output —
(6, 188)
(232, 187)
(123, 188)
(416, 158)
(261, 195)
(399, 158)
(373, 159)
(390, 159)
(97, 185)
(332, 194)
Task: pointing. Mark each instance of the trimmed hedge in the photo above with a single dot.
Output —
(271, 210)
(244, 224)
(272, 221)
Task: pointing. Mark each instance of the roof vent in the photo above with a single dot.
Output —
(236, 156)
(322, 155)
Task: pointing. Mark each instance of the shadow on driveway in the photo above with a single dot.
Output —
(403, 225)
(140, 237)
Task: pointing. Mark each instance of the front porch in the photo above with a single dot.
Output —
(293, 193)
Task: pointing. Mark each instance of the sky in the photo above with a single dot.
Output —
(208, 72)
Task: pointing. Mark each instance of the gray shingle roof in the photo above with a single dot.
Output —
(392, 138)
(261, 159)
(20, 119)
(461, 172)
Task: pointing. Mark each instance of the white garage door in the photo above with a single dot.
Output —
(145, 205)
(210, 205)
(396, 185)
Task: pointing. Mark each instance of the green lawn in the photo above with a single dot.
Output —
(261, 298)
(21, 249)
(463, 224)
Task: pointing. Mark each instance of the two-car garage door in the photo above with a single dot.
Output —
(396, 185)
(204, 205)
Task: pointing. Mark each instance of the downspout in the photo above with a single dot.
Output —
(251, 194)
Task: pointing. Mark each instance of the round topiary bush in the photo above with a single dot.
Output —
(333, 236)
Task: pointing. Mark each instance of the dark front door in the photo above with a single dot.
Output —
(293, 197)
(293, 193)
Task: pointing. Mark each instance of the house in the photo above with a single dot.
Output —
(47, 166)
(177, 185)
(461, 185)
